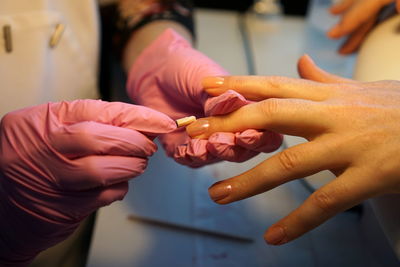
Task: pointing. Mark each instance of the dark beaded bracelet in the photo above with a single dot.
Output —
(135, 14)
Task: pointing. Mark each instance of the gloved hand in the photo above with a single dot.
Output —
(167, 76)
(59, 162)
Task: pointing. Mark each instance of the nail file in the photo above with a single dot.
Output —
(185, 121)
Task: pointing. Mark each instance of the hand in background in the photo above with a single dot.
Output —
(167, 77)
(352, 129)
(358, 17)
(59, 162)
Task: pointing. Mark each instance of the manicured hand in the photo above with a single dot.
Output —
(352, 129)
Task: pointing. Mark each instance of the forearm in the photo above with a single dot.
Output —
(141, 38)
(141, 22)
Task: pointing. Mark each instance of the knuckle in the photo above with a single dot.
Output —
(274, 81)
(10, 119)
(288, 160)
(236, 83)
(269, 107)
(221, 124)
(91, 171)
(85, 130)
(324, 201)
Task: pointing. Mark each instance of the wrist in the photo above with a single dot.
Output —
(146, 35)
(167, 76)
(149, 68)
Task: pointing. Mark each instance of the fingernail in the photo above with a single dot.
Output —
(219, 191)
(275, 236)
(213, 82)
(198, 127)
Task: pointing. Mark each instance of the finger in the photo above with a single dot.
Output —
(118, 114)
(295, 162)
(223, 146)
(171, 140)
(100, 171)
(92, 138)
(346, 191)
(220, 146)
(87, 201)
(261, 141)
(224, 103)
(91, 200)
(194, 154)
(360, 12)
(309, 70)
(262, 87)
(288, 116)
(357, 37)
(111, 194)
(179, 146)
(341, 7)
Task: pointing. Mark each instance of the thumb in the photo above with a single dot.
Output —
(307, 69)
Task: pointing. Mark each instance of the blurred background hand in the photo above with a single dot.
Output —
(357, 18)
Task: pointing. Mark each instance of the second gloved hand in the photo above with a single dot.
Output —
(59, 162)
(167, 77)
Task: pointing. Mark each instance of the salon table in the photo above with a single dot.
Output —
(167, 218)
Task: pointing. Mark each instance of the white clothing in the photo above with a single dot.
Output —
(33, 73)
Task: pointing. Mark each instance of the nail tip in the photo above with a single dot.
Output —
(218, 192)
(275, 236)
(217, 200)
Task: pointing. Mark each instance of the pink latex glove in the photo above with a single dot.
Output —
(59, 162)
(167, 77)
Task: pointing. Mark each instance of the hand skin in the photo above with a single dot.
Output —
(358, 17)
(352, 129)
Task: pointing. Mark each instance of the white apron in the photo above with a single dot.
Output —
(33, 73)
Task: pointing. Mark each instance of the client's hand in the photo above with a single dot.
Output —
(353, 130)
